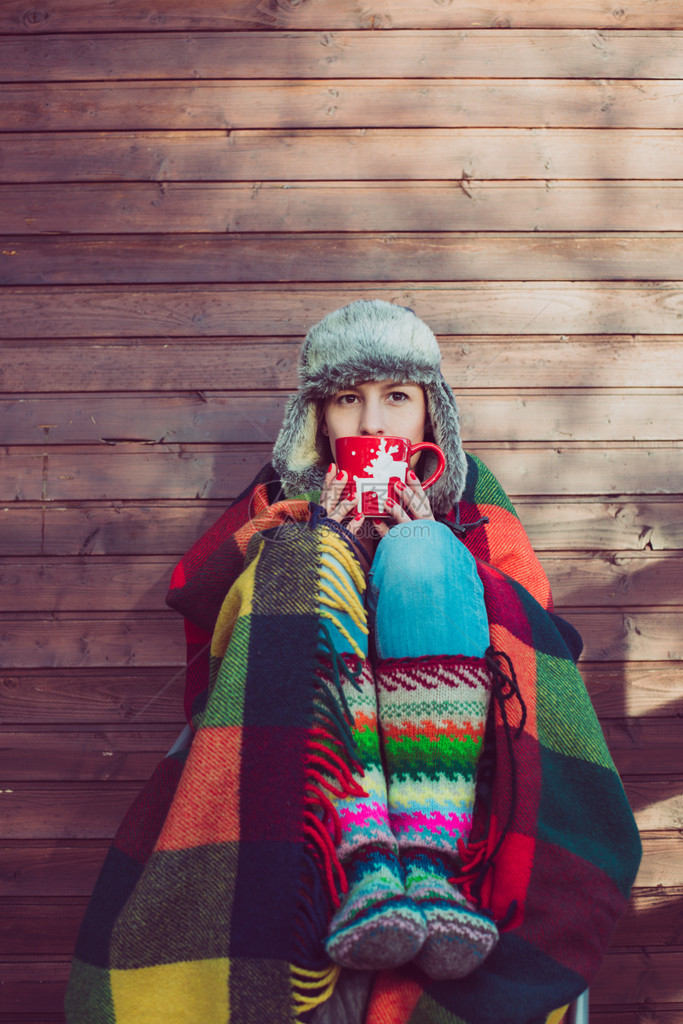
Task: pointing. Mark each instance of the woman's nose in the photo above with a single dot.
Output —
(372, 420)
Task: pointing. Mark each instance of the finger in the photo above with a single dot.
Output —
(406, 499)
(381, 526)
(343, 509)
(356, 523)
(396, 511)
(335, 483)
(325, 493)
(414, 499)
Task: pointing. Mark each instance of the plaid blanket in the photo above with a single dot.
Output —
(215, 895)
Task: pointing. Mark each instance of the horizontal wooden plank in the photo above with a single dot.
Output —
(274, 207)
(144, 364)
(634, 688)
(656, 803)
(92, 756)
(65, 811)
(638, 747)
(213, 416)
(629, 1015)
(92, 583)
(560, 415)
(635, 1015)
(129, 470)
(183, 363)
(646, 747)
(108, 529)
(342, 103)
(256, 310)
(214, 15)
(125, 641)
(438, 256)
(50, 867)
(364, 153)
(144, 471)
(662, 864)
(66, 868)
(34, 989)
(43, 1017)
(80, 640)
(89, 528)
(638, 977)
(127, 696)
(120, 583)
(443, 53)
(638, 635)
(614, 525)
(615, 579)
(113, 695)
(94, 810)
(40, 927)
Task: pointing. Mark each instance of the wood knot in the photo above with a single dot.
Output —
(35, 17)
(370, 21)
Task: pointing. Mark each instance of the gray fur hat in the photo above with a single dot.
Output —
(367, 340)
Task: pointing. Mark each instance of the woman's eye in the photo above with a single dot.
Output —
(346, 399)
(398, 396)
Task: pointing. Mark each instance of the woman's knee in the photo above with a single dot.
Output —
(426, 595)
(423, 553)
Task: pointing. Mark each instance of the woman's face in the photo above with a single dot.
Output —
(377, 408)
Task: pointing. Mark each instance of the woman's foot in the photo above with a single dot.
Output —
(459, 938)
(378, 926)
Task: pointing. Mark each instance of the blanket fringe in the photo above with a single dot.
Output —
(336, 593)
(311, 988)
(332, 769)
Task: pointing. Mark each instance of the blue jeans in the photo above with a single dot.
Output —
(424, 597)
(424, 594)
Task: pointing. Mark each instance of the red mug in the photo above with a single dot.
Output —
(376, 464)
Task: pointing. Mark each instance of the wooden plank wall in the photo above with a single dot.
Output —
(185, 187)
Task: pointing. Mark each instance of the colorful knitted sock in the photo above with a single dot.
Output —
(432, 713)
(378, 926)
(459, 938)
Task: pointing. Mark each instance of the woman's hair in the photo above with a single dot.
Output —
(322, 443)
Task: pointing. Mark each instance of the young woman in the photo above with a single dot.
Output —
(320, 853)
(373, 370)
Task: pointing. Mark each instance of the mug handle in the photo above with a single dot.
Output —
(440, 456)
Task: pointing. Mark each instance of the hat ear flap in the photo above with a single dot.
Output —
(295, 455)
(443, 416)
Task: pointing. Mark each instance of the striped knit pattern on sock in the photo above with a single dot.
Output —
(459, 938)
(364, 818)
(378, 926)
(432, 714)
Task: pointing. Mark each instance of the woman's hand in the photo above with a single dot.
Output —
(330, 499)
(413, 503)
